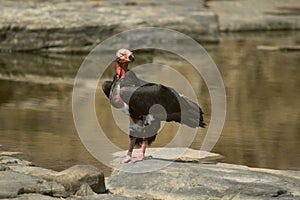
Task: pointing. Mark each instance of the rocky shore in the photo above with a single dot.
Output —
(79, 25)
(20, 179)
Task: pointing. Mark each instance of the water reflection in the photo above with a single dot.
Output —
(36, 119)
(262, 127)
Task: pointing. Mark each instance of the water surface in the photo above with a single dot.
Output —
(262, 127)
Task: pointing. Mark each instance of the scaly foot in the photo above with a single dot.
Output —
(138, 159)
(127, 159)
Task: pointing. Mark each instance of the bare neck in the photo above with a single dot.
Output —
(121, 69)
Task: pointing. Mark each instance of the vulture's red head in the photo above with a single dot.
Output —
(124, 56)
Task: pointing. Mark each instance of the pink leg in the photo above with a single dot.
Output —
(142, 153)
(128, 157)
(131, 145)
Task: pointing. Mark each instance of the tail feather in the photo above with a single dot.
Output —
(191, 113)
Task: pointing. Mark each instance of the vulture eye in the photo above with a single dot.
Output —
(131, 58)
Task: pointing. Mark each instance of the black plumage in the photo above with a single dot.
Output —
(147, 104)
(140, 96)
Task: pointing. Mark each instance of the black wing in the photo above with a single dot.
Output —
(141, 96)
(106, 87)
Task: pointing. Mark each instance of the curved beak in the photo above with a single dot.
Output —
(131, 58)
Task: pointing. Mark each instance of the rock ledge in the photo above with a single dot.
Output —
(198, 180)
(79, 25)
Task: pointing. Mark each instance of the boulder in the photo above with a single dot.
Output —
(18, 177)
(73, 177)
(13, 184)
(182, 180)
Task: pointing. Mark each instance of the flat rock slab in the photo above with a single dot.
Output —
(157, 158)
(182, 180)
(256, 15)
(7, 160)
(79, 25)
(171, 154)
(34, 197)
(9, 153)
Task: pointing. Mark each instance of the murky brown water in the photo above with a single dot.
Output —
(262, 127)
